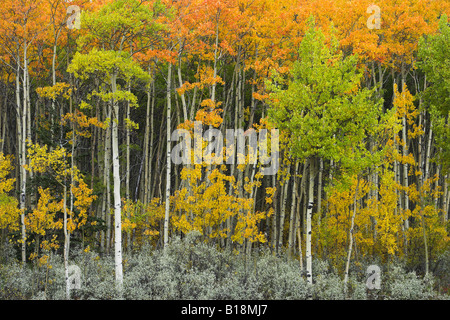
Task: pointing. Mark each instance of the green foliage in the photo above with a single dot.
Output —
(104, 64)
(323, 105)
(118, 21)
(434, 53)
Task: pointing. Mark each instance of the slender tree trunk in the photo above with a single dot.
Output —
(350, 245)
(405, 170)
(405, 150)
(424, 233)
(319, 200)
(300, 197)
(167, 208)
(25, 117)
(445, 198)
(436, 185)
(102, 173)
(107, 182)
(27, 104)
(299, 237)
(274, 217)
(213, 91)
(127, 176)
(117, 198)
(146, 149)
(308, 222)
(330, 179)
(428, 156)
(150, 157)
(283, 210)
(72, 164)
(66, 246)
(292, 217)
(55, 47)
(21, 135)
(319, 191)
(183, 98)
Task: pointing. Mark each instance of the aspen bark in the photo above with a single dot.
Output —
(300, 197)
(167, 208)
(424, 233)
(283, 210)
(213, 89)
(274, 217)
(436, 185)
(21, 136)
(150, 157)
(183, 98)
(66, 246)
(55, 44)
(445, 199)
(102, 205)
(319, 190)
(350, 245)
(145, 190)
(405, 169)
(117, 198)
(127, 174)
(25, 131)
(308, 221)
(292, 216)
(107, 182)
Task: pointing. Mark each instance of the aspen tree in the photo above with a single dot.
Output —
(110, 63)
(168, 159)
(433, 52)
(322, 82)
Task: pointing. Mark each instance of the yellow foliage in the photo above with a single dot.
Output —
(55, 163)
(9, 213)
(209, 115)
(6, 185)
(43, 218)
(83, 123)
(207, 206)
(59, 89)
(83, 200)
(144, 220)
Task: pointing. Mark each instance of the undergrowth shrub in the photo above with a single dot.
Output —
(191, 269)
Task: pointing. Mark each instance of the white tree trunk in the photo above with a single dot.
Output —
(167, 208)
(308, 222)
(436, 185)
(21, 136)
(107, 181)
(127, 178)
(291, 237)
(283, 210)
(117, 199)
(25, 117)
(183, 98)
(445, 198)
(66, 247)
(428, 155)
(405, 169)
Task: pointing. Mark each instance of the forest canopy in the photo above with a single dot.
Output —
(348, 99)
